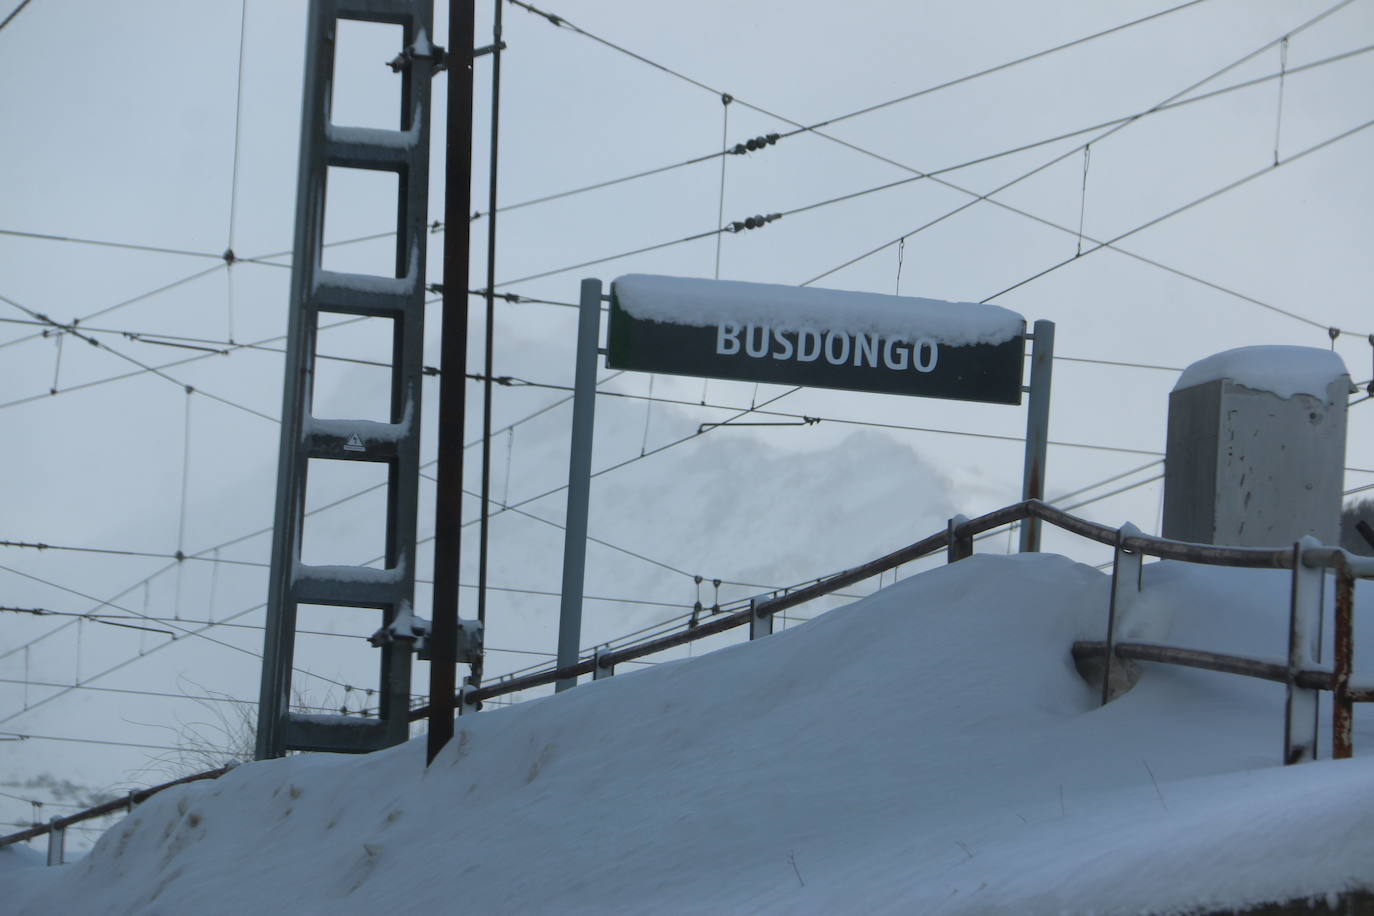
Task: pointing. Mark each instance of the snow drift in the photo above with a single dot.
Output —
(929, 749)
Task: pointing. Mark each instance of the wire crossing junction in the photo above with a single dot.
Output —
(758, 332)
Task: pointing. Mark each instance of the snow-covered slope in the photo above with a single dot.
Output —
(929, 749)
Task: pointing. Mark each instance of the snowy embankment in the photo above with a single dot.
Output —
(930, 749)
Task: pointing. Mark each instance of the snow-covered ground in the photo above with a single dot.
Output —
(928, 749)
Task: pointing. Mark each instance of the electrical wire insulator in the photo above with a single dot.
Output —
(757, 221)
(754, 143)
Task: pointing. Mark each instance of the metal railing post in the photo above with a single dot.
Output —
(1342, 709)
(760, 624)
(598, 670)
(1304, 643)
(960, 546)
(57, 841)
(1126, 571)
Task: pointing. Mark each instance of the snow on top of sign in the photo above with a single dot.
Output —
(708, 303)
(1283, 370)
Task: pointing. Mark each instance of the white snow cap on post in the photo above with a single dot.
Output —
(710, 303)
(1281, 370)
(1256, 448)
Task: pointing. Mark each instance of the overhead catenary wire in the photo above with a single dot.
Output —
(725, 100)
(1343, 135)
(167, 287)
(185, 631)
(14, 12)
(265, 530)
(920, 175)
(228, 347)
(1109, 132)
(93, 618)
(216, 346)
(72, 330)
(41, 804)
(22, 736)
(1024, 147)
(1278, 117)
(96, 617)
(238, 134)
(560, 21)
(222, 698)
(104, 243)
(563, 22)
(976, 198)
(220, 623)
(126, 302)
(763, 411)
(489, 338)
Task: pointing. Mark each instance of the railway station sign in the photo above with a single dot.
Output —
(789, 335)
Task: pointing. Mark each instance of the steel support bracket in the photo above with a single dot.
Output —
(960, 547)
(466, 702)
(599, 669)
(760, 619)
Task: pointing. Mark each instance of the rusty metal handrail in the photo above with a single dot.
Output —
(127, 802)
(1165, 548)
(957, 538)
(962, 531)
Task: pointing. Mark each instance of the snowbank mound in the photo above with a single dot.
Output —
(929, 749)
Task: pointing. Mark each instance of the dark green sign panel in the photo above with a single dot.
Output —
(819, 358)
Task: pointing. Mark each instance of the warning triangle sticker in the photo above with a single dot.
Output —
(354, 444)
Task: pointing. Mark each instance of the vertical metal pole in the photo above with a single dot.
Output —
(476, 676)
(1037, 428)
(600, 671)
(760, 623)
(57, 841)
(448, 523)
(1304, 640)
(1342, 709)
(959, 547)
(279, 633)
(579, 478)
(1126, 568)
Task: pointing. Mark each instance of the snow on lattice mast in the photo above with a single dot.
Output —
(394, 444)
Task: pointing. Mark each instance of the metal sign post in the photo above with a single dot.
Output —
(1037, 428)
(579, 478)
(897, 345)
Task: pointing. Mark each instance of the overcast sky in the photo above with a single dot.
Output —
(123, 123)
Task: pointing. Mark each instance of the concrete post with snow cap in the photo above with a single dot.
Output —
(1256, 448)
